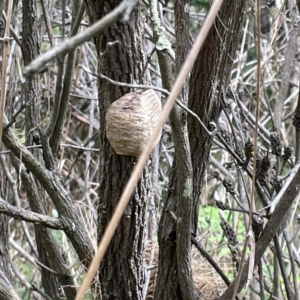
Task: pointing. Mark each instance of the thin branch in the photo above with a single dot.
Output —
(288, 290)
(57, 97)
(52, 183)
(17, 201)
(14, 117)
(120, 12)
(58, 120)
(22, 252)
(13, 33)
(80, 152)
(25, 283)
(204, 253)
(29, 216)
(124, 84)
(4, 67)
(264, 133)
(210, 260)
(78, 19)
(46, 268)
(44, 295)
(47, 22)
(292, 260)
(247, 238)
(261, 281)
(80, 149)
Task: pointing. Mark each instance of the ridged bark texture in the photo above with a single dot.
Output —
(174, 280)
(121, 271)
(209, 78)
(49, 254)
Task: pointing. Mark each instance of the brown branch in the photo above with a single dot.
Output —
(29, 216)
(4, 67)
(120, 12)
(143, 86)
(7, 292)
(61, 198)
(285, 200)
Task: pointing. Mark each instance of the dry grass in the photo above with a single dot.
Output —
(208, 284)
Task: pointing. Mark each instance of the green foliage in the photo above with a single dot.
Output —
(201, 3)
(21, 134)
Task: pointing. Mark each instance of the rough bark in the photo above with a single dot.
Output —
(210, 75)
(286, 73)
(209, 78)
(30, 49)
(6, 290)
(48, 249)
(4, 254)
(121, 271)
(174, 256)
(5, 263)
(52, 183)
(49, 254)
(184, 169)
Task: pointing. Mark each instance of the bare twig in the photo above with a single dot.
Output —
(284, 202)
(29, 216)
(4, 67)
(46, 268)
(288, 290)
(14, 117)
(13, 33)
(43, 294)
(80, 149)
(261, 281)
(51, 181)
(17, 201)
(247, 239)
(61, 107)
(210, 260)
(69, 45)
(47, 22)
(21, 250)
(291, 255)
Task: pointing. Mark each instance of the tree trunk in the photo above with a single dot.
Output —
(121, 271)
(174, 236)
(209, 78)
(5, 192)
(48, 250)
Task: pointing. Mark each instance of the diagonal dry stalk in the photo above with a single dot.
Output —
(112, 226)
(4, 66)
